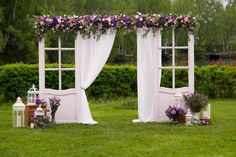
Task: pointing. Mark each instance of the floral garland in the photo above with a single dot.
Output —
(100, 24)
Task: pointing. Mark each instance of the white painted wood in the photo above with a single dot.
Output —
(170, 67)
(191, 62)
(170, 47)
(57, 69)
(158, 78)
(41, 67)
(173, 58)
(77, 78)
(66, 113)
(58, 48)
(166, 96)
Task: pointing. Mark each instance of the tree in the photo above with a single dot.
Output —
(1, 36)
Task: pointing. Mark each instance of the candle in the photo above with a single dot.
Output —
(18, 121)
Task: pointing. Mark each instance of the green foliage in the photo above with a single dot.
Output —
(16, 79)
(216, 81)
(116, 81)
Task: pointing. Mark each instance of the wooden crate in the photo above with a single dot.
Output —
(30, 112)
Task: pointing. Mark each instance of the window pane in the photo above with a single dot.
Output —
(68, 39)
(181, 37)
(166, 78)
(68, 59)
(181, 78)
(68, 79)
(166, 38)
(51, 59)
(51, 39)
(51, 80)
(181, 57)
(166, 55)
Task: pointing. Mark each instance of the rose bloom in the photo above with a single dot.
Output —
(186, 19)
(41, 22)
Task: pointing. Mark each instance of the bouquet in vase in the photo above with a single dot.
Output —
(54, 104)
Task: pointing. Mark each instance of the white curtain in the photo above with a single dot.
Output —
(93, 54)
(148, 60)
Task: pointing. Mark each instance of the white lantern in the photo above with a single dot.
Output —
(33, 93)
(178, 99)
(39, 112)
(18, 115)
(207, 112)
(189, 118)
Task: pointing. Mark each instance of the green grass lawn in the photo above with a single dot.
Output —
(116, 135)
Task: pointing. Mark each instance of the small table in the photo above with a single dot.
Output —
(30, 108)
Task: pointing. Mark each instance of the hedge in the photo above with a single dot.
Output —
(116, 81)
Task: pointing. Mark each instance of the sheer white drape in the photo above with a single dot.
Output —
(148, 60)
(93, 54)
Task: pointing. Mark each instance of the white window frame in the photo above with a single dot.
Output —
(43, 69)
(190, 66)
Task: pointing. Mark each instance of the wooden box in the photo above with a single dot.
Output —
(30, 112)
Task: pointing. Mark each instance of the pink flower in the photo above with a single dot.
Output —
(186, 19)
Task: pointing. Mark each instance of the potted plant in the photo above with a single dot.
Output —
(173, 113)
(196, 102)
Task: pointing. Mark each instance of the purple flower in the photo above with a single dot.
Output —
(173, 112)
(78, 25)
(38, 101)
(126, 19)
(55, 21)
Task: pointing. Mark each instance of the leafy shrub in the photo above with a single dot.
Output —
(215, 80)
(116, 81)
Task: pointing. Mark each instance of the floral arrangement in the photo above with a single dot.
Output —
(54, 104)
(38, 101)
(100, 24)
(196, 101)
(40, 122)
(174, 112)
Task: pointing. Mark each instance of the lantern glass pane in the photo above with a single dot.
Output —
(30, 98)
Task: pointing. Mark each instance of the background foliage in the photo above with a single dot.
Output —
(117, 81)
(18, 41)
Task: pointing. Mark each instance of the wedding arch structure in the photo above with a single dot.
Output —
(94, 39)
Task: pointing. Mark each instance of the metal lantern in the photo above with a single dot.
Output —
(33, 93)
(189, 118)
(18, 115)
